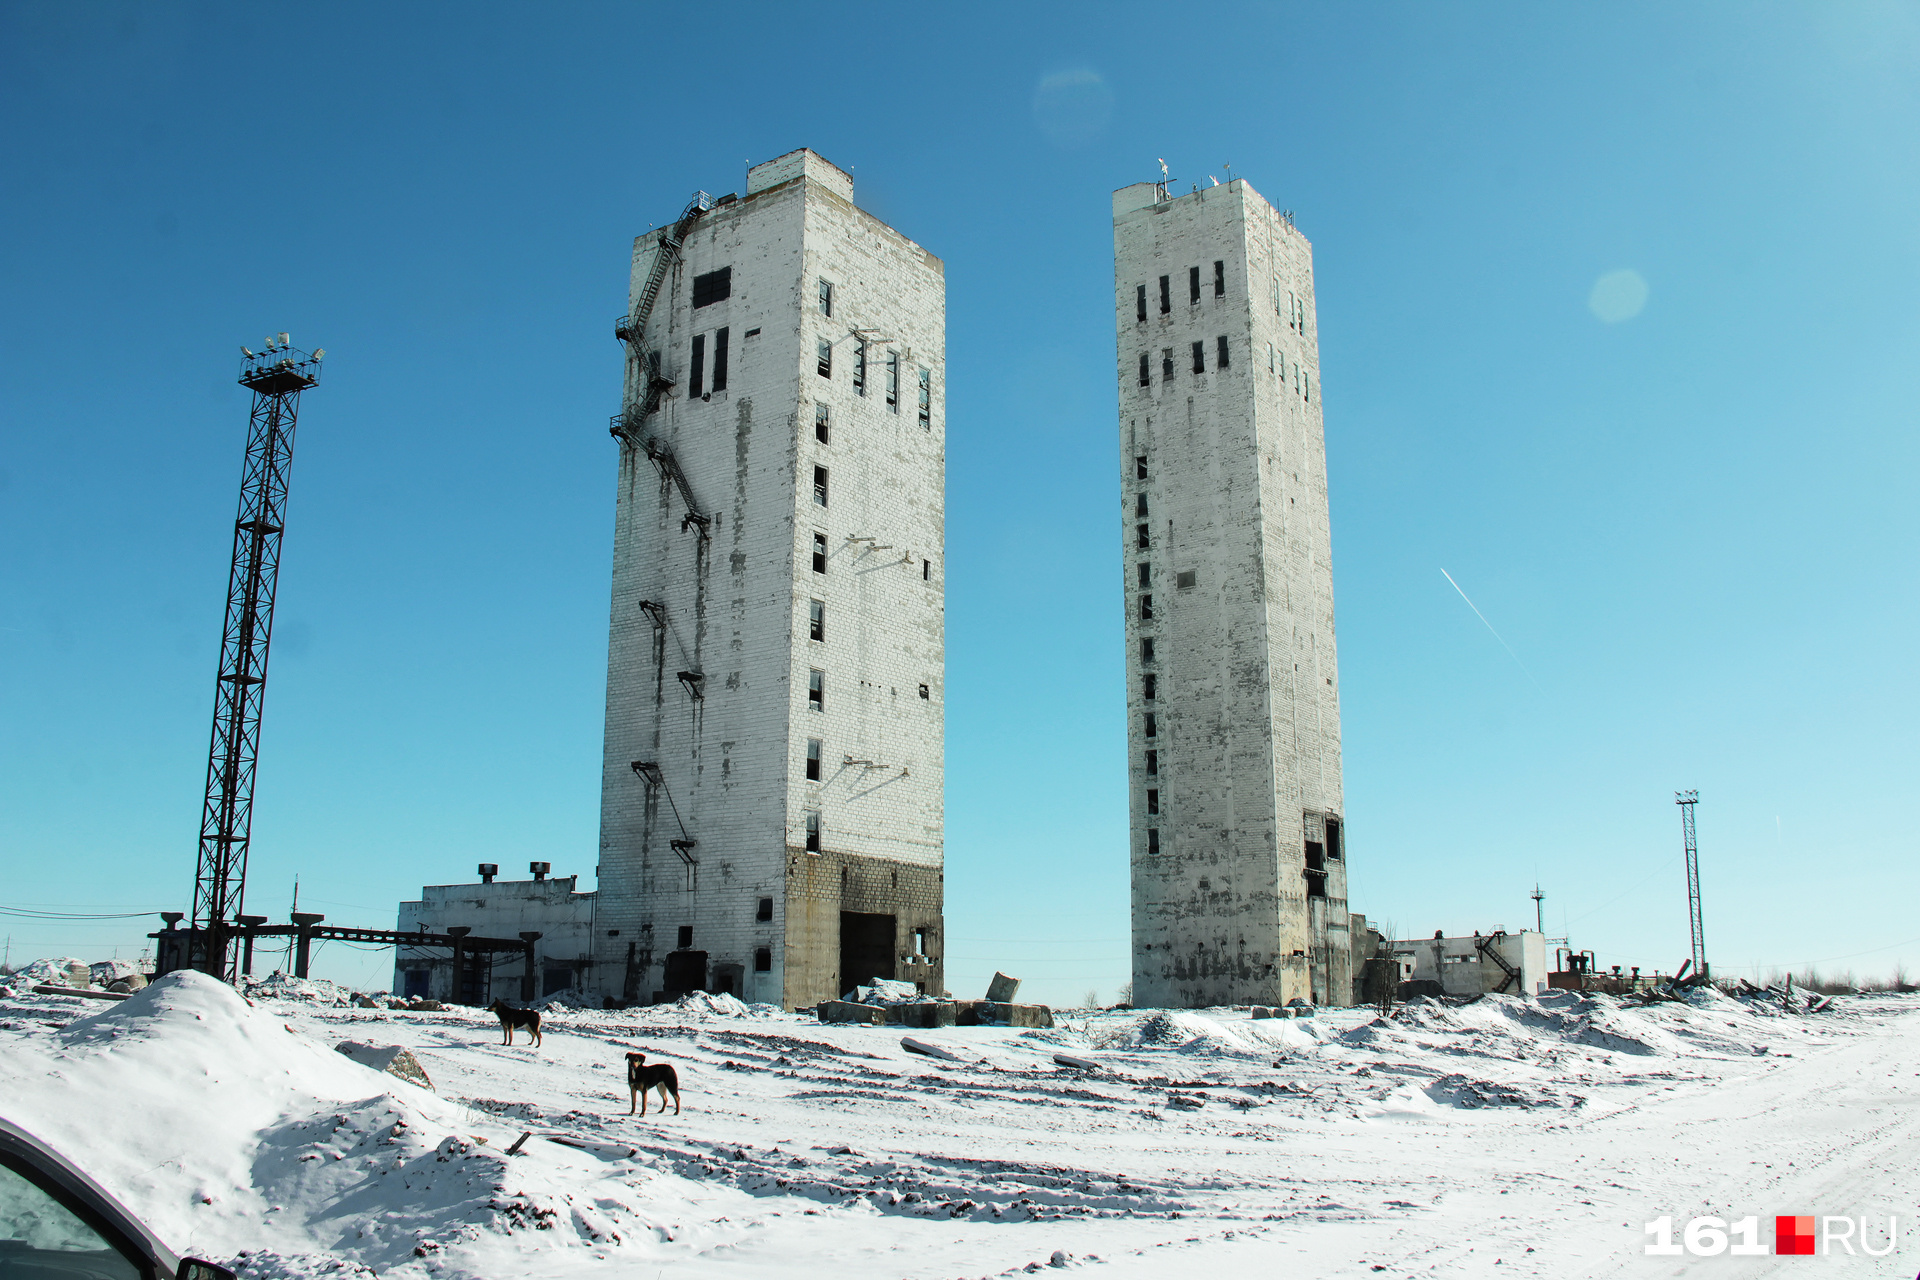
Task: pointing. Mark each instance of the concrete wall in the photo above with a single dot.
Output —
(1245, 685)
(1462, 969)
(738, 603)
(563, 957)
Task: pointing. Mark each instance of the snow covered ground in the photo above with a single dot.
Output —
(1505, 1137)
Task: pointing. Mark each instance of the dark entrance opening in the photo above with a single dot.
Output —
(866, 948)
(473, 980)
(1316, 869)
(686, 971)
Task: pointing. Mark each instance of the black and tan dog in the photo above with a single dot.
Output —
(643, 1080)
(511, 1018)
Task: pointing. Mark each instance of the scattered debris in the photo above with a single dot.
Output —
(390, 1058)
(912, 1045)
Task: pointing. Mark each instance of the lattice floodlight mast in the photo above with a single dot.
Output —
(276, 377)
(1686, 800)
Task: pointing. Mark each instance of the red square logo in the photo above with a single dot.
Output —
(1793, 1235)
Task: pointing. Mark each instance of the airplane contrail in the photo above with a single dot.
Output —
(1489, 626)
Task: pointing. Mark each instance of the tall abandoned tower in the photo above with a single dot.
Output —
(1238, 862)
(771, 803)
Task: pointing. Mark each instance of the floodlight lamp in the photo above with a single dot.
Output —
(285, 341)
(319, 353)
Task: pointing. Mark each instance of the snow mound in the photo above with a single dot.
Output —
(1192, 1033)
(226, 1130)
(704, 1006)
(572, 998)
(1469, 1094)
(61, 971)
(886, 991)
(1537, 1028)
(1407, 1102)
(278, 986)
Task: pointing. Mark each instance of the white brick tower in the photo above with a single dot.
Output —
(771, 806)
(1233, 705)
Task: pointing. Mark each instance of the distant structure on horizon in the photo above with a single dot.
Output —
(772, 804)
(1239, 858)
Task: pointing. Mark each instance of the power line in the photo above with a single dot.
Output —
(31, 914)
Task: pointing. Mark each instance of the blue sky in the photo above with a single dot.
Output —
(1693, 526)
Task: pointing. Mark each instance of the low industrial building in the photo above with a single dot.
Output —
(547, 905)
(1513, 963)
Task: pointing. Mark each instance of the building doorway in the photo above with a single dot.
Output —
(866, 948)
(685, 971)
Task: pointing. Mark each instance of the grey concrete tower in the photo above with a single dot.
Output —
(1233, 691)
(771, 804)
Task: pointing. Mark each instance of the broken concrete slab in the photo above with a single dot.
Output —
(873, 1015)
(390, 1058)
(930, 1050)
(1002, 989)
(928, 1013)
(922, 1013)
(988, 1013)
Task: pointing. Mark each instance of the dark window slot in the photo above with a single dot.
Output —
(714, 286)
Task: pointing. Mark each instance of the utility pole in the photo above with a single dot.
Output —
(1686, 800)
(276, 377)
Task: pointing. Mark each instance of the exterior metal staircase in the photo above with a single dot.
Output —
(630, 425)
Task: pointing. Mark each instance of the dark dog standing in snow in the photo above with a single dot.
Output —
(643, 1080)
(511, 1018)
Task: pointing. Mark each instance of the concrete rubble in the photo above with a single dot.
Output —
(883, 1002)
(390, 1058)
